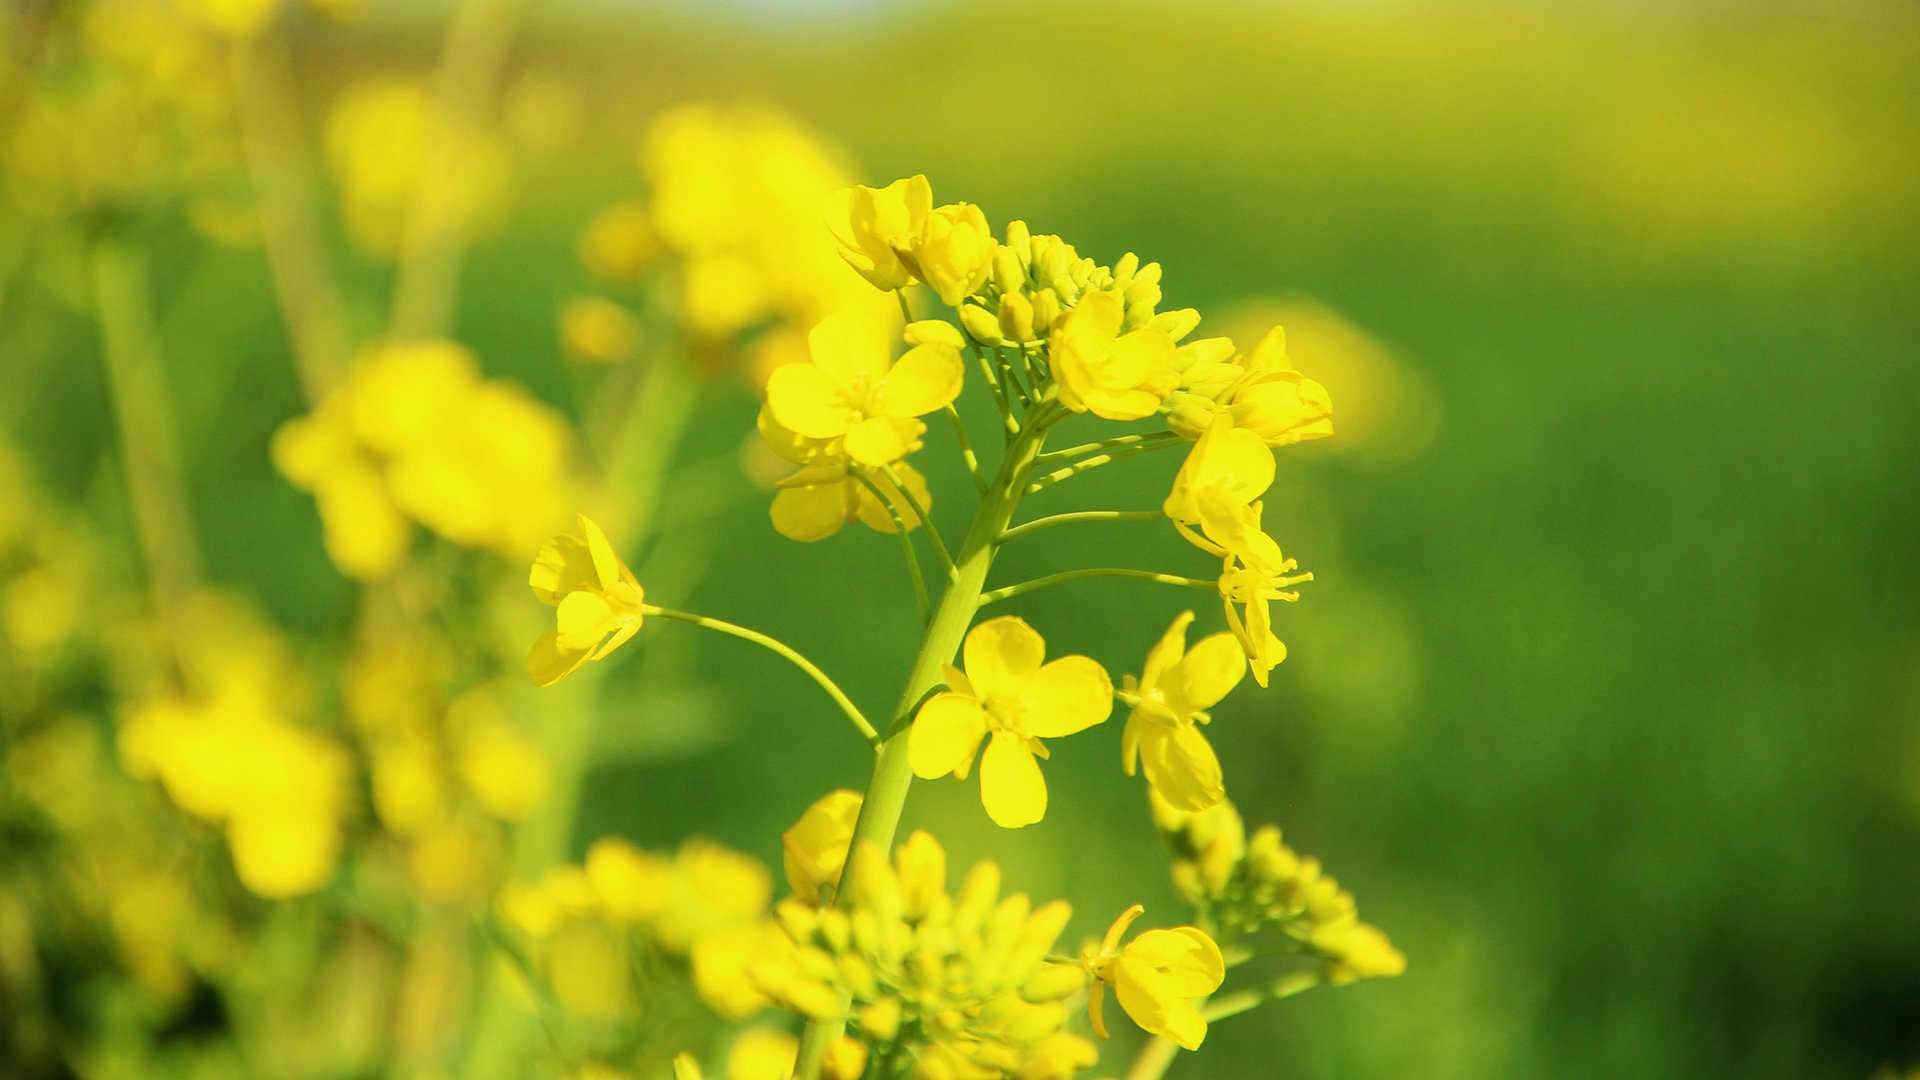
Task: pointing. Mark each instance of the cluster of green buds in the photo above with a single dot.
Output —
(959, 984)
(1245, 885)
(1037, 279)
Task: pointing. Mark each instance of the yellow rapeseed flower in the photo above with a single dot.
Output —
(1119, 376)
(876, 226)
(954, 250)
(597, 603)
(1175, 687)
(1228, 462)
(1276, 402)
(815, 849)
(1155, 976)
(825, 493)
(1006, 692)
(852, 390)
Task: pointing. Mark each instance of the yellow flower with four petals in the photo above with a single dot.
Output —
(597, 603)
(854, 391)
(1156, 977)
(1175, 688)
(1105, 372)
(1008, 697)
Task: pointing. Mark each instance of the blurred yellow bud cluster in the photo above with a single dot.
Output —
(227, 750)
(1249, 885)
(603, 934)
(959, 983)
(380, 142)
(767, 1054)
(415, 434)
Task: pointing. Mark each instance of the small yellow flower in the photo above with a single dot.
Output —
(816, 847)
(619, 243)
(826, 493)
(853, 391)
(954, 251)
(1107, 373)
(874, 227)
(1174, 689)
(1006, 692)
(597, 603)
(599, 331)
(1229, 460)
(1155, 977)
(1276, 402)
(1253, 587)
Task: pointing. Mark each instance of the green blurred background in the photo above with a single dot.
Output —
(1606, 699)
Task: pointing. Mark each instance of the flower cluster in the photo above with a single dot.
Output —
(959, 983)
(415, 434)
(1248, 885)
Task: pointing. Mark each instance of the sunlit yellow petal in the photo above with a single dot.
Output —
(1211, 669)
(562, 566)
(1011, 787)
(927, 378)
(945, 735)
(1182, 767)
(809, 513)
(547, 663)
(809, 402)
(882, 440)
(1070, 694)
(1000, 654)
(849, 347)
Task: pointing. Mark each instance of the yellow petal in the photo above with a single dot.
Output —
(945, 735)
(1011, 787)
(581, 619)
(562, 566)
(882, 440)
(1146, 998)
(1070, 694)
(1187, 960)
(809, 402)
(1000, 654)
(847, 346)
(875, 515)
(606, 565)
(928, 377)
(1182, 767)
(812, 512)
(547, 663)
(1213, 668)
(1165, 653)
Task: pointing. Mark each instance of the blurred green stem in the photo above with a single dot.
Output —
(149, 451)
(435, 238)
(886, 792)
(275, 149)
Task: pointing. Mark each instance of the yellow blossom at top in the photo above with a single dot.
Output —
(1008, 694)
(875, 226)
(815, 849)
(852, 390)
(954, 251)
(1175, 688)
(1155, 976)
(1274, 401)
(1119, 376)
(597, 603)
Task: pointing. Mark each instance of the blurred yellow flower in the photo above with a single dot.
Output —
(619, 243)
(1175, 687)
(597, 603)
(852, 390)
(1008, 694)
(598, 330)
(1119, 376)
(815, 848)
(1155, 976)
(875, 226)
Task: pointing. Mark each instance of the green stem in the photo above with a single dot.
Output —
(999, 392)
(966, 450)
(906, 542)
(1144, 446)
(913, 504)
(1036, 524)
(887, 789)
(781, 648)
(1011, 591)
(1156, 438)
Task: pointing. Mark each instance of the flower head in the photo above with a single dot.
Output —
(1105, 372)
(1155, 976)
(597, 603)
(875, 226)
(1276, 402)
(1174, 688)
(853, 391)
(1008, 697)
(1252, 583)
(954, 251)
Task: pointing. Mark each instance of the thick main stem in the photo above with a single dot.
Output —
(887, 790)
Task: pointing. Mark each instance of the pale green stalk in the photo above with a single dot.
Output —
(906, 542)
(1037, 524)
(1143, 446)
(886, 791)
(781, 649)
(1011, 591)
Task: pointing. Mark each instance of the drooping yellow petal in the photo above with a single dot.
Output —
(1182, 767)
(945, 735)
(547, 663)
(811, 512)
(1186, 958)
(875, 515)
(1000, 654)
(1147, 999)
(1211, 669)
(606, 564)
(1011, 787)
(927, 378)
(849, 347)
(1070, 694)
(809, 402)
(1166, 652)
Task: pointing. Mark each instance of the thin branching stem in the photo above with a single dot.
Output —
(1037, 524)
(920, 512)
(999, 392)
(1094, 462)
(1011, 591)
(1155, 439)
(966, 449)
(906, 542)
(785, 651)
